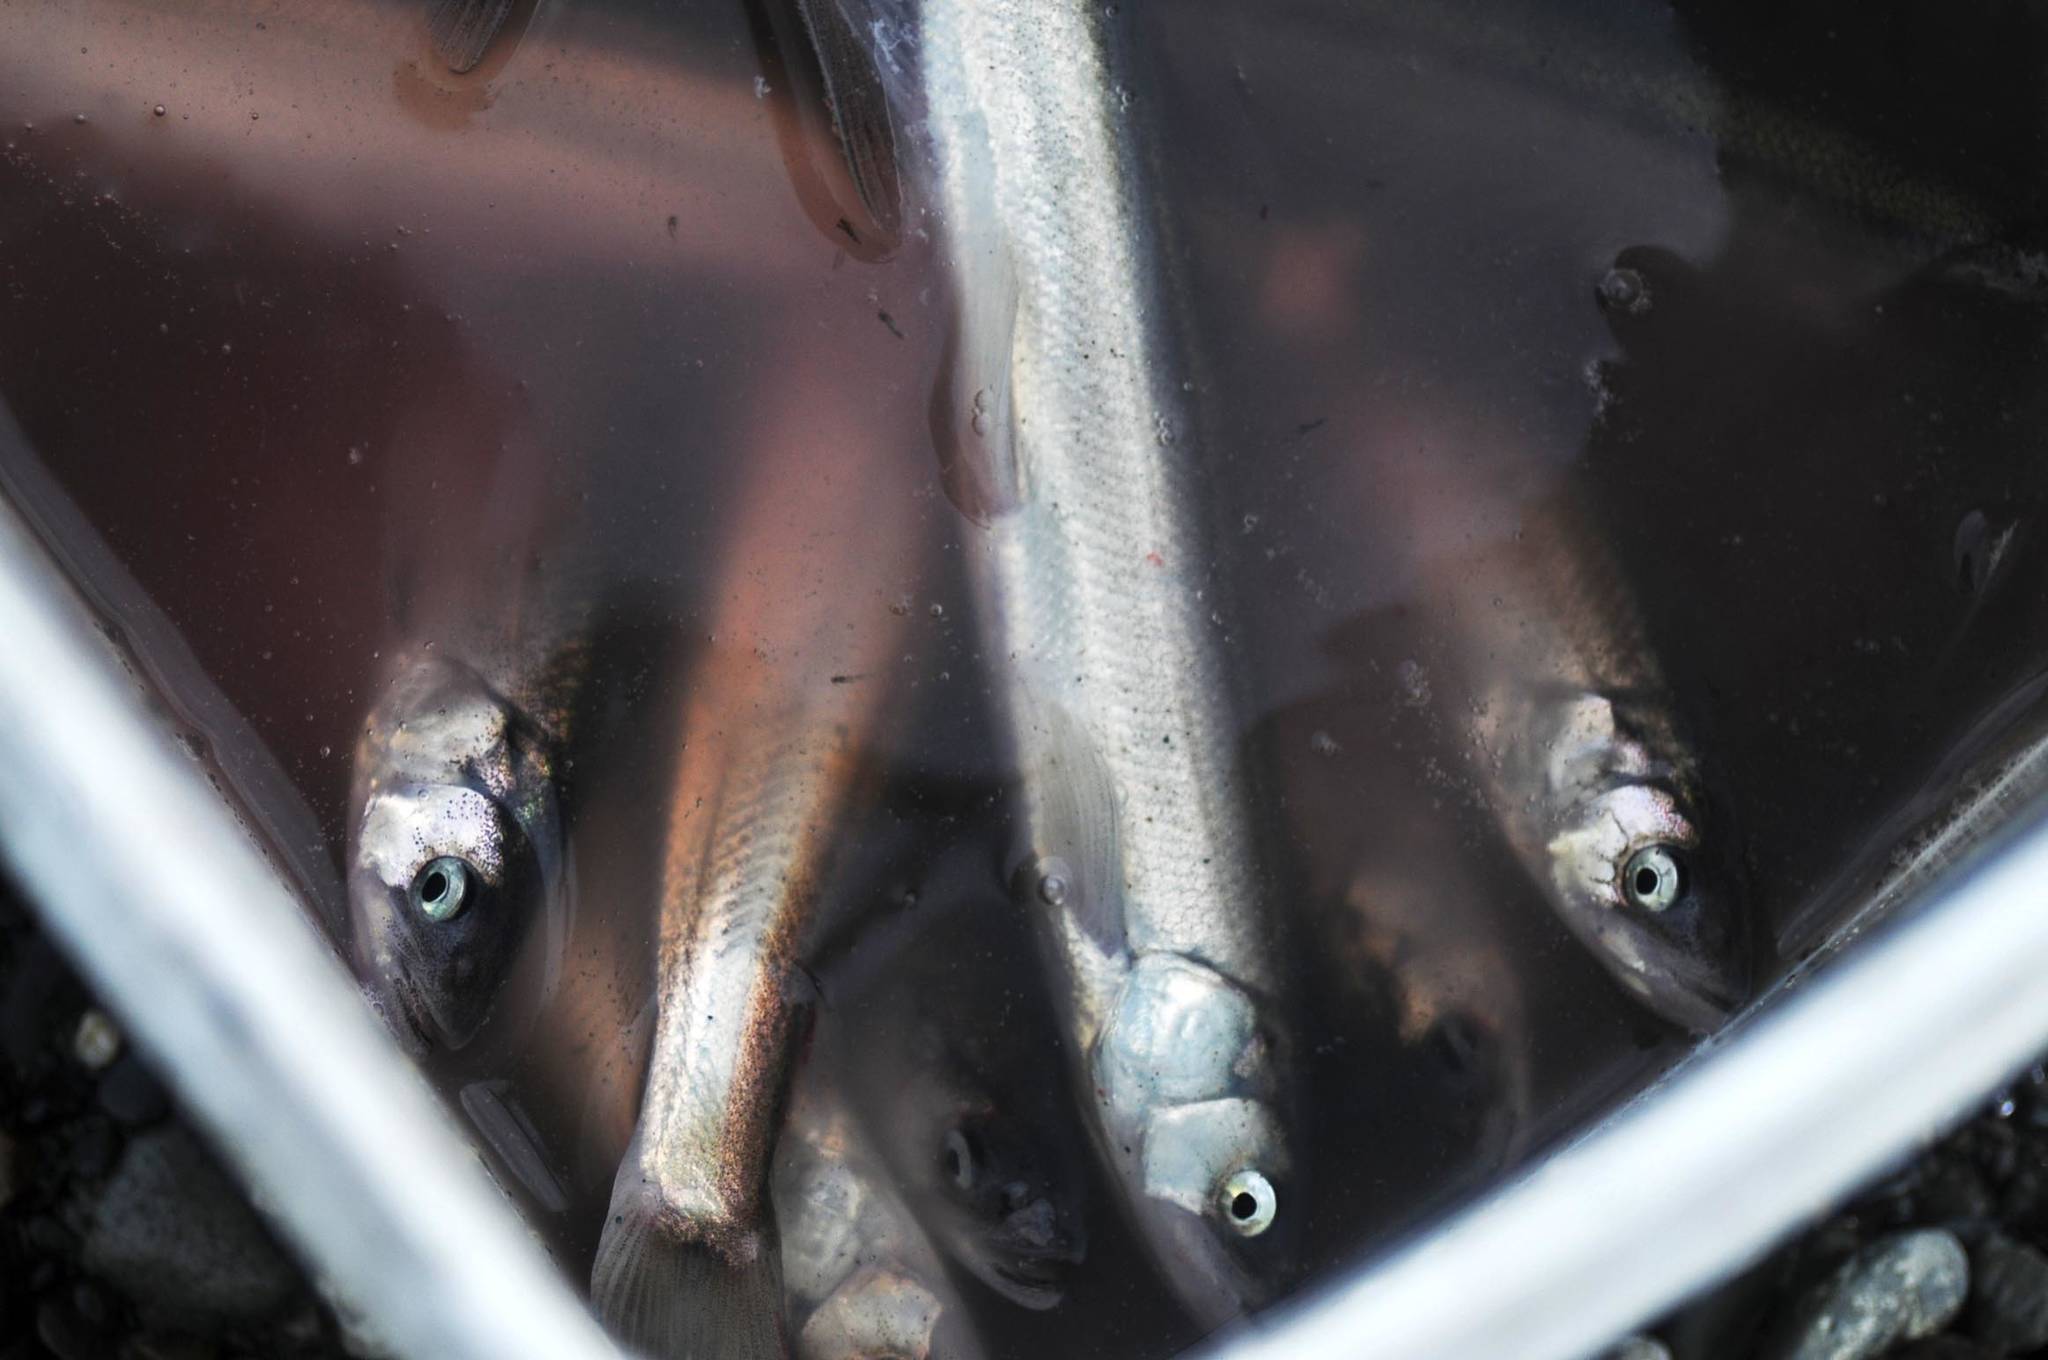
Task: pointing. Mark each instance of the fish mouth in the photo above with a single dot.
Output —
(1700, 993)
(1701, 998)
(1032, 1276)
(1034, 1282)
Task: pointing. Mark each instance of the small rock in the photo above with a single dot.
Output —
(97, 1040)
(1946, 1188)
(1993, 1144)
(1639, 1348)
(1953, 1192)
(173, 1233)
(1899, 1289)
(2008, 1296)
(1822, 1251)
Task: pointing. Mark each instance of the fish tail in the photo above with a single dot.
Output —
(670, 1294)
(463, 29)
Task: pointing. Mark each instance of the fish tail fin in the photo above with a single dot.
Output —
(670, 1294)
(463, 29)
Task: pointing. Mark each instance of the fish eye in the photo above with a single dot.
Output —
(1653, 878)
(960, 1160)
(441, 889)
(1248, 1202)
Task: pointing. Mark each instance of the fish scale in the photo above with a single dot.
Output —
(746, 881)
(1102, 611)
(1090, 567)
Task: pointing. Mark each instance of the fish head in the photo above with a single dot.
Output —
(1008, 1207)
(1640, 882)
(1186, 1072)
(455, 853)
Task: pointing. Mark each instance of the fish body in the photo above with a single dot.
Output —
(1093, 578)
(862, 1280)
(688, 1258)
(457, 854)
(950, 1061)
(774, 753)
(1577, 744)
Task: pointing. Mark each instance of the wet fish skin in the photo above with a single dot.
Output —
(1001, 1209)
(1620, 805)
(1140, 861)
(1595, 788)
(689, 1261)
(448, 766)
(954, 1074)
(778, 743)
(862, 1279)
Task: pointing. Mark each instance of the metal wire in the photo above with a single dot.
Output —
(1820, 1092)
(166, 905)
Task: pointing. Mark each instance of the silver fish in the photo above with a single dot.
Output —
(457, 852)
(1093, 583)
(1594, 787)
(772, 755)
(862, 1280)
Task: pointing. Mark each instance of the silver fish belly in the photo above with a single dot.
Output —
(1092, 575)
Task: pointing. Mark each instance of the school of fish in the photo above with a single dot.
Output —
(832, 1182)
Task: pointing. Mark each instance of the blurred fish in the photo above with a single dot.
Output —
(772, 755)
(861, 1278)
(457, 851)
(1452, 983)
(1579, 750)
(1094, 585)
(951, 1060)
(1402, 894)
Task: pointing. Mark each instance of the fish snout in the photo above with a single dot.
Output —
(1187, 1075)
(1683, 945)
(1036, 1229)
